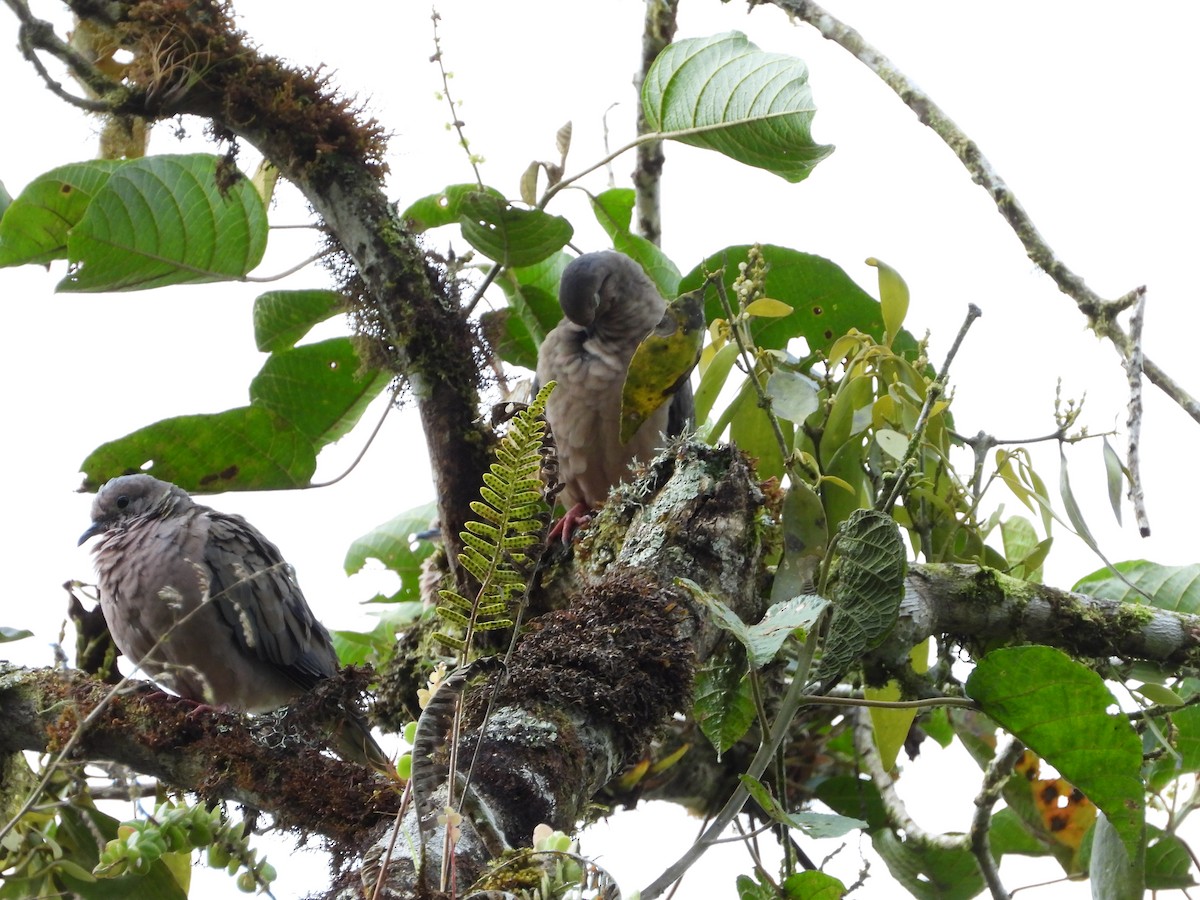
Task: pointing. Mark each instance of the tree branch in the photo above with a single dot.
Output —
(1101, 314)
(207, 751)
(192, 59)
(657, 32)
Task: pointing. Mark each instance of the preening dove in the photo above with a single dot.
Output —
(208, 607)
(609, 305)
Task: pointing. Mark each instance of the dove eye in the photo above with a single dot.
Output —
(122, 502)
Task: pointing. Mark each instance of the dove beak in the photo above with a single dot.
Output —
(94, 529)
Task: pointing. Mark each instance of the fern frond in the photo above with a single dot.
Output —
(501, 545)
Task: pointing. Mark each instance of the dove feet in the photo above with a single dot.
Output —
(564, 529)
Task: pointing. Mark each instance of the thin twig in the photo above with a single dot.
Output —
(936, 390)
(1133, 370)
(38, 34)
(367, 446)
(893, 806)
(1001, 767)
(455, 121)
(1101, 314)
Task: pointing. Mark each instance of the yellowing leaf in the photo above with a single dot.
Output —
(662, 362)
(893, 297)
(765, 307)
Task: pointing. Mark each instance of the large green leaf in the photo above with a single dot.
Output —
(517, 331)
(164, 220)
(392, 544)
(724, 705)
(1059, 709)
(1176, 588)
(867, 586)
(614, 212)
(36, 225)
(319, 388)
(247, 448)
(752, 106)
(510, 235)
(441, 208)
(825, 301)
(281, 318)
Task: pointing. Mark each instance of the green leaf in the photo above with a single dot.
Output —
(662, 362)
(508, 235)
(34, 229)
(794, 396)
(532, 291)
(826, 302)
(866, 589)
(712, 379)
(5, 200)
(1115, 867)
(805, 539)
(441, 208)
(13, 634)
(929, 873)
(1168, 864)
(1115, 474)
(893, 298)
(815, 825)
(856, 797)
(614, 212)
(1175, 588)
(1058, 708)
(752, 106)
(247, 448)
(812, 885)
(1008, 834)
(614, 209)
(1074, 514)
(163, 220)
(319, 388)
(282, 318)
(724, 707)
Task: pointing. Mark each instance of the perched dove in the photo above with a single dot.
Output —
(208, 607)
(609, 305)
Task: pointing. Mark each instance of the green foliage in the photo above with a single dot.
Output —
(1060, 709)
(501, 547)
(752, 106)
(303, 399)
(1176, 588)
(865, 589)
(146, 223)
(393, 544)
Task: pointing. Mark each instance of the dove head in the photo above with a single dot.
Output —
(608, 293)
(130, 497)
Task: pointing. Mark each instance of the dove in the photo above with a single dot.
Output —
(207, 606)
(609, 306)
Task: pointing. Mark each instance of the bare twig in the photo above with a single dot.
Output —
(993, 783)
(37, 34)
(1101, 314)
(455, 121)
(1133, 369)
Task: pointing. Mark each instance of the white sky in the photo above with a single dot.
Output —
(1084, 109)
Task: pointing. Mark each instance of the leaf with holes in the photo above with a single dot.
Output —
(751, 106)
(36, 224)
(164, 220)
(509, 235)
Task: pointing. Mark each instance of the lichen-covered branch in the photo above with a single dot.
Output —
(979, 607)
(1101, 314)
(657, 32)
(207, 751)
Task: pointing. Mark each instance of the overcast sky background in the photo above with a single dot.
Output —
(1084, 109)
